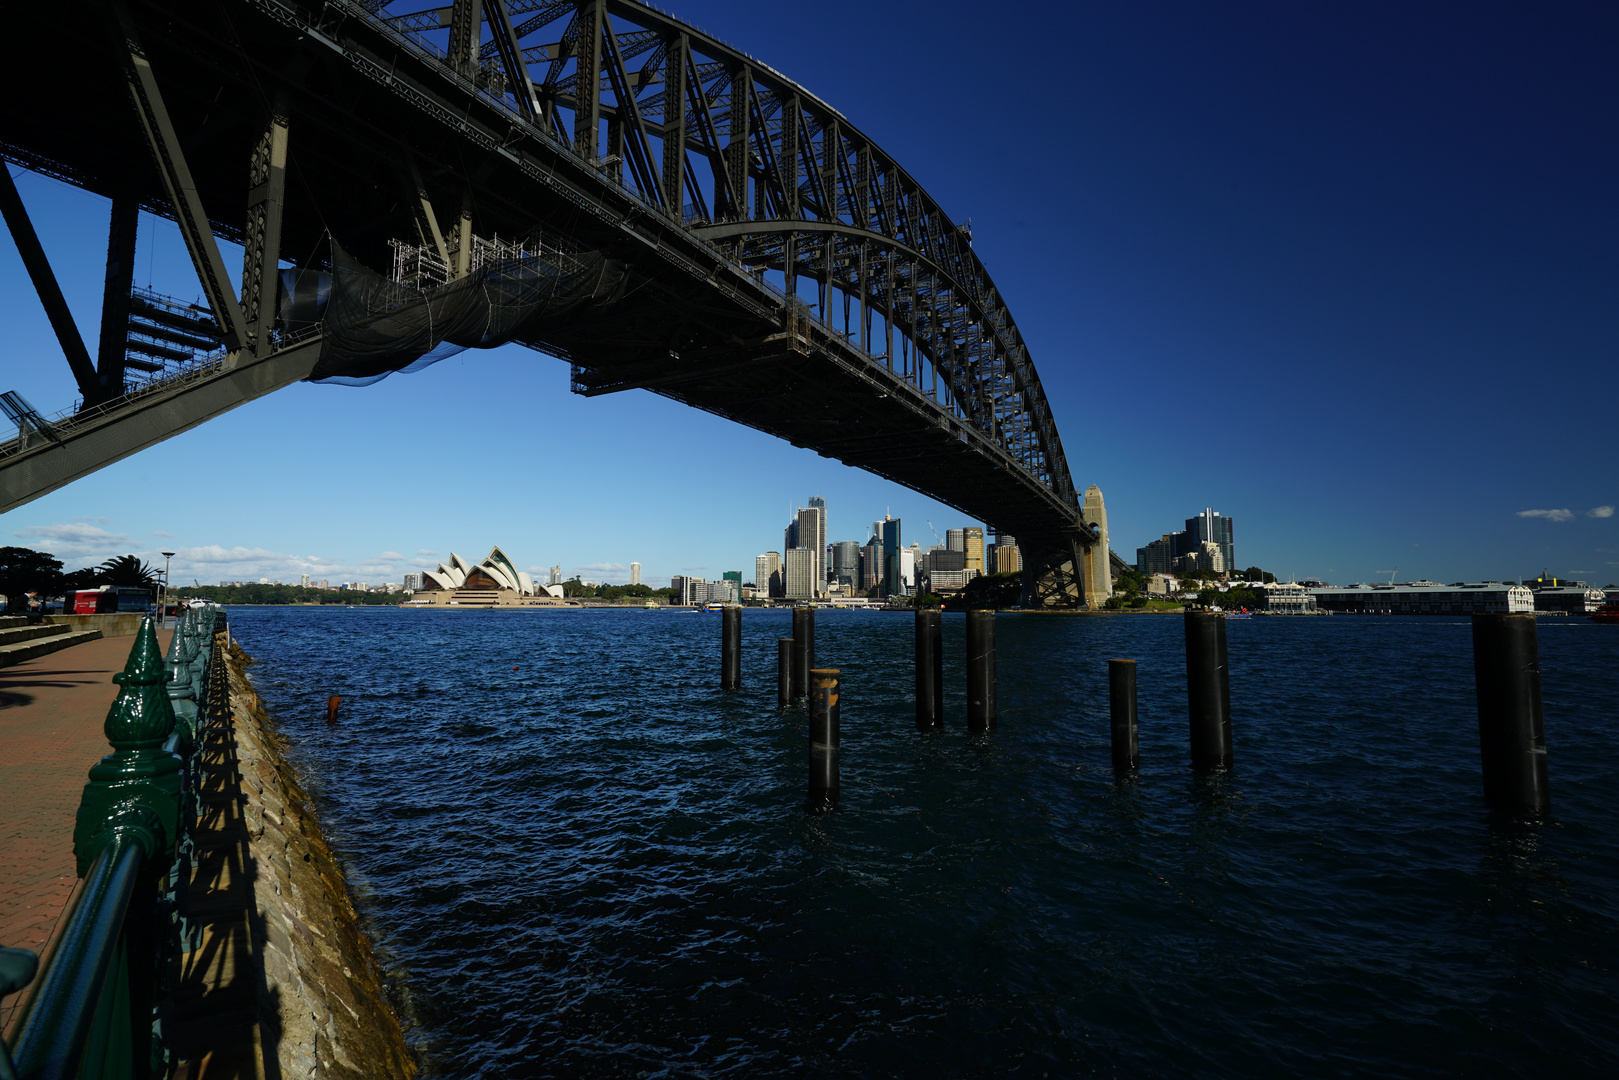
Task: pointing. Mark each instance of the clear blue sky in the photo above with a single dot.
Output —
(1345, 272)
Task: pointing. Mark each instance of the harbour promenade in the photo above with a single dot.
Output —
(51, 713)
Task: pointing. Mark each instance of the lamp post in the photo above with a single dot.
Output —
(163, 604)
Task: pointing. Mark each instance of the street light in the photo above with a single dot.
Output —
(163, 605)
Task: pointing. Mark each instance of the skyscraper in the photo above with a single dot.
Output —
(767, 574)
(822, 567)
(556, 576)
(811, 535)
(1209, 527)
(846, 563)
(973, 545)
(635, 573)
(800, 573)
(955, 540)
(893, 584)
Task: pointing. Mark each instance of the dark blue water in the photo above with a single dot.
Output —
(581, 859)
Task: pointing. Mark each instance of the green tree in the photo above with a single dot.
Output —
(126, 570)
(24, 570)
(993, 592)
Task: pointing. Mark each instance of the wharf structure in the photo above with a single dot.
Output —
(1426, 598)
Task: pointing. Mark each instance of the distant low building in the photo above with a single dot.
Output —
(1426, 599)
(1285, 598)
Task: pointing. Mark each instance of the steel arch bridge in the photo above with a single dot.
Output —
(781, 270)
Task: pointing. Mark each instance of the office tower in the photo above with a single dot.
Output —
(411, 583)
(556, 575)
(955, 539)
(767, 576)
(734, 578)
(973, 544)
(811, 534)
(892, 585)
(846, 563)
(871, 566)
(1209, 527)
(635, 573)
(800, 573)
(304, 580)
(1159, 556)
(822, 567)
(907, 569)
(789, 536)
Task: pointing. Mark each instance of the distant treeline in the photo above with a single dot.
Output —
(286, 594)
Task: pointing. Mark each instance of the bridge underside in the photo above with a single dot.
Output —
(386, 144)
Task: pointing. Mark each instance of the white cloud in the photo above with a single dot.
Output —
(1600, 512)
(603, 567)
(161, 535)
(427, 553)
(392, 556)
(1549, 515)
(78, 544)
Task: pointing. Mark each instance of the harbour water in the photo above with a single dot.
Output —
(580, 858)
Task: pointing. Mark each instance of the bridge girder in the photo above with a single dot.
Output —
(727, 187)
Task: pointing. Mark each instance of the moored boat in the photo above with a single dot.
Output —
(1607, 613)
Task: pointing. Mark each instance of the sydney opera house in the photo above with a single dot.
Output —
(495, 582)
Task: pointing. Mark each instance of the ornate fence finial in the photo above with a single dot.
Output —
(137, 786)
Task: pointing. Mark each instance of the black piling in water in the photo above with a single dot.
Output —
(980, 671)
(823, 778)
(929, 668)
(730, 648)
(1511, 724)
(784, 671)
(1208, 690)
(803, 649)
(1121, 683)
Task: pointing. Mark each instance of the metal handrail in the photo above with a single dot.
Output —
(94, 1009)
(55, 1029)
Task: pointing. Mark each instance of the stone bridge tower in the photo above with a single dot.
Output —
(1098, 574)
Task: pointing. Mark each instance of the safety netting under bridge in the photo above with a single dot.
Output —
(373, 326)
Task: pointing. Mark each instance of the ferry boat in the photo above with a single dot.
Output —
(1608, 612)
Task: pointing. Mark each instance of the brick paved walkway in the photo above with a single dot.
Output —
(51, 712)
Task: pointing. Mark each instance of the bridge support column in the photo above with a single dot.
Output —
(50, 293)
(113, 348)
(261, 262)
(1098, 572)
(181, 188)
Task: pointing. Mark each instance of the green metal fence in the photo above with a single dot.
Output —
(98, 1009)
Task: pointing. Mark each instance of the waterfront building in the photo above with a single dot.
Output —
(955, 539)
(411, 583)
(800, 574)
(689, 590)
(725, 591)
(635, 573)
(1572, 597)
(1006, 556)
(846, 563)
(973, 546)
(735, 578)
(1210, 527)
(494, 582)
(1286, 598)
(1425, 599)
(907, 570)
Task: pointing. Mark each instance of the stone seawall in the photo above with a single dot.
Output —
(322, 1009)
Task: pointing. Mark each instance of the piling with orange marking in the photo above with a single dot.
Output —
(824, 738)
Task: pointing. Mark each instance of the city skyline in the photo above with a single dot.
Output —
(1316, 289)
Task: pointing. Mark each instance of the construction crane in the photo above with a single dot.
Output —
(1390, 573)
(935, 532)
